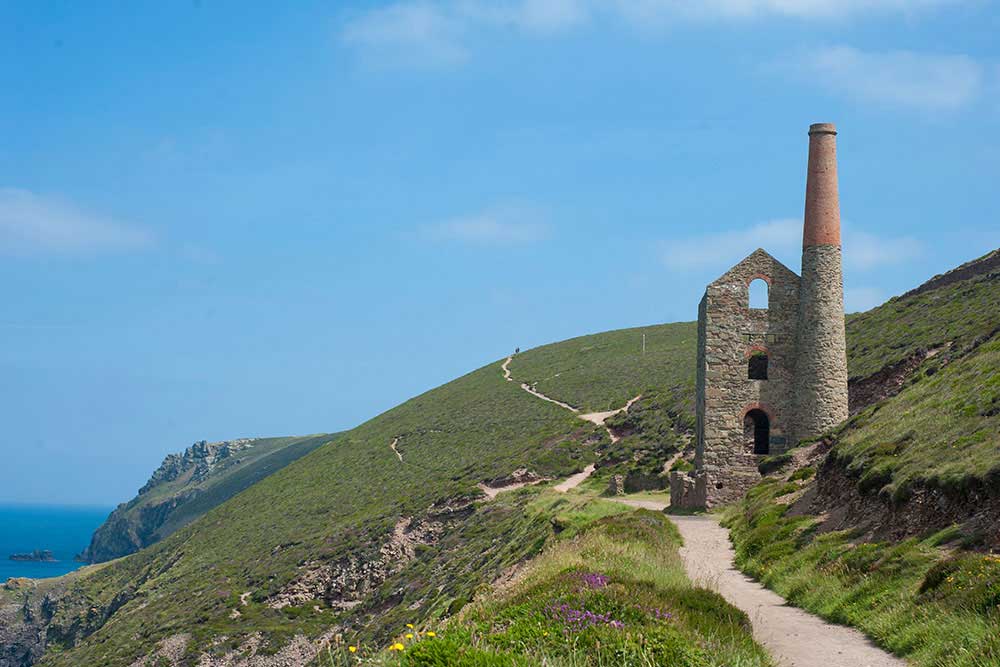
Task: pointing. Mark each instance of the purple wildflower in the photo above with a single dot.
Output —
(658, 613)
(594, 580)
(577, 620)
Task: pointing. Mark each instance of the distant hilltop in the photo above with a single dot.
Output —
(37, 556)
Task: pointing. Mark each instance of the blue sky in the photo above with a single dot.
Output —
(223, 219)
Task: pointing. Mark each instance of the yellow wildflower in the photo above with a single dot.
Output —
(352, 649)
(409, 635)
(397, 647)
(431, 634)
(409, 625)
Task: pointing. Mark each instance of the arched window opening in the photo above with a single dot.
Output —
(758, 294)
(757, 366)
(757, 431)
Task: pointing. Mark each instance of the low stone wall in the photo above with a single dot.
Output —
(638, 481)
(688, 492)
(616, 485)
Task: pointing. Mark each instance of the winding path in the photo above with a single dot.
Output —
(574, 481)
(537, 394)
(793, 636)
(597, 418)
(395, 451)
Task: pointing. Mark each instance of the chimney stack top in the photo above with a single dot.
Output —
(822, 128)
(822, 218)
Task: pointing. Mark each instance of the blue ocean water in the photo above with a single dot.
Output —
(65, 531)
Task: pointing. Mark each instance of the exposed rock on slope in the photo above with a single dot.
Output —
(920, 452)
(188, 484)
(30, 619)
(196, 462)
(333, 519)
(927, 508)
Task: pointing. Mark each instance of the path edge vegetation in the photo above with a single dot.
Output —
(610, 589)
(923, 599)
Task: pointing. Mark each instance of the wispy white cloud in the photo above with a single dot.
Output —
(32, 224)
(441, 32)
(893, 78)
(647, 11)
(424, 32)
(723, 249)
(865, 251)
(495, 226)
(782, 238)
(409, 32)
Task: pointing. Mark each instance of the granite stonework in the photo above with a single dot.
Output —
(801, 332)
(729, 332)
(822, 361)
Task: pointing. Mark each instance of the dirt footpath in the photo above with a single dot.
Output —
(794, 637)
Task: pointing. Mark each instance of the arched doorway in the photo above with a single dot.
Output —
(757, 431)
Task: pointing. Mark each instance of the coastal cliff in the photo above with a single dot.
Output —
(188, 484)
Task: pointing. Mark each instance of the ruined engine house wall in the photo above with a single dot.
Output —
(742, 412)
(729, 332)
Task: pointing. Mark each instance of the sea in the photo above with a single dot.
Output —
(65, 531)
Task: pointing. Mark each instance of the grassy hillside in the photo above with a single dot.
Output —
(279, 453)
(941, 314)
(894, 535)
(924, 599)
(943, 428)
(614, 595)
(603, 371)
(164, 505)
(351, 538)
(349, 503)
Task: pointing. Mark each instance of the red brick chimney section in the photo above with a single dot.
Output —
(822, 218)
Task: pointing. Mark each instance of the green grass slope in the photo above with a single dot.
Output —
(162, 508)
(616, 594)
(334, 508)
(603, 371)
(951, 310)
(942, 428)
(353, 538)
(925, 599)
(895, 534)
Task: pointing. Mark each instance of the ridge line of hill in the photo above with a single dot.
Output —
(319, 533)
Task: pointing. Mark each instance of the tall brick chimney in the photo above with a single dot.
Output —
(821, 360)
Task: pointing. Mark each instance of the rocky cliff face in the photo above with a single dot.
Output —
(188, 484)
(195, 463)
(138, 523)
(27, 608)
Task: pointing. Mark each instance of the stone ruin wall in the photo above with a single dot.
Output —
(728, 332)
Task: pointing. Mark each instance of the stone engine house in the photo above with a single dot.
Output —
(772, 373)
